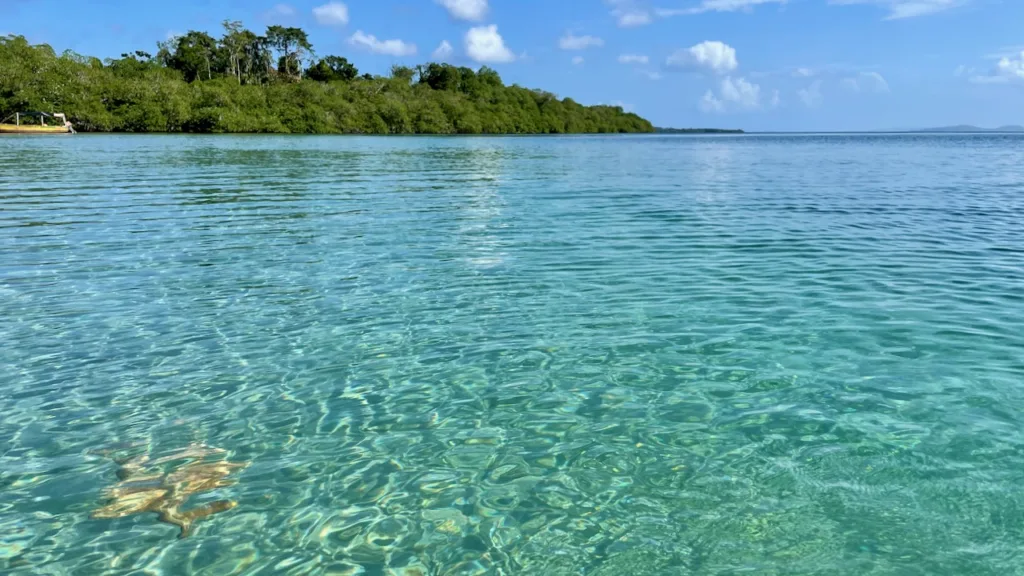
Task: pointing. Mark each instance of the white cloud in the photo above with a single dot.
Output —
(282, 10)
(776, 99)
(734, 93)
(633, 18)
(875, 81)
(651, 74)
(1007, 52)
(803, 73)
(577, 60)
(473, 10)
(908, 8)
(741, 92)
(1009, 68)
(389, 47)
(715, 56)
(867, 82)
(628, 14)
(279, 11)
(715, 6)
(331, 14)
(484, 44)
(811, 96)
(443, 51)
(989, 79)
(711, 104)
(570, 42)
(633, 59)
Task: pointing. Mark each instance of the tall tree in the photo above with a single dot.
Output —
(133, 65)
(441, 76)
(234, 41)
(292, 43)
(193, 55)
(403, 73)
(489, 76)
(330, 68)
(257, 59)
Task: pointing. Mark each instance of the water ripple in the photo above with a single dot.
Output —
(587, 355)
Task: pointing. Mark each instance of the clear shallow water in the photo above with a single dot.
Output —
(651, 355)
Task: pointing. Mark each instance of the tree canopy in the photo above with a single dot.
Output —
(274, 83)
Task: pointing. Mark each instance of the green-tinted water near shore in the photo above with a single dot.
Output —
(633, 355)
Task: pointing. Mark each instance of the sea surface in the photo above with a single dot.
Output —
(632, 355)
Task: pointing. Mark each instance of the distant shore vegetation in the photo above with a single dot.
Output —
(697, 131)
(243, 82)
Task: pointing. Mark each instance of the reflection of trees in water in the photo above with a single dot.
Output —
(242, 175)
(278, 187)
(251, 217)
(28, 165)
(275, 159)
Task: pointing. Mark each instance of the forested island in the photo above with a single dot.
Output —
(243, 82)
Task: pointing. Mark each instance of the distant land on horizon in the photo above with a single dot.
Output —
(696, 131)
(959, 128)
(969, 128)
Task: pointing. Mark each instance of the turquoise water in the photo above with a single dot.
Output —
(600, 356)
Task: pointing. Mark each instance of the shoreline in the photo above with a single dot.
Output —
(524, 135)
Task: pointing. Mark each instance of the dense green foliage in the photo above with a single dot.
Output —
(243, 82)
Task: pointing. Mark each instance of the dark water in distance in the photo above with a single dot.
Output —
(585, 355)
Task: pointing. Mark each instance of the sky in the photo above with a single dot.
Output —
(788, 65)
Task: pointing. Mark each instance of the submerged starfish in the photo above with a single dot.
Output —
(143, 489)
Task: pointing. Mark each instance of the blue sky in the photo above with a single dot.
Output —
(754, 64)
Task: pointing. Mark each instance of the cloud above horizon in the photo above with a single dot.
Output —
(570, 42)
(472, 10)
(279, 12)
(867, 82)
(629, 14)
(485, 45)
(331, 14)
(387, 47)
(712, 55)
(899, 9)
(633, 13)
(633, 59)
(735, 94)
(715, 6)
(1009, 68)
(811, 96)
(282, 10)
(443, 51)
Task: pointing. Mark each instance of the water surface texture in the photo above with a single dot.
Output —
(580, 356)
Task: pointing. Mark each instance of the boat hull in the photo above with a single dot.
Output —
(30, 129)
